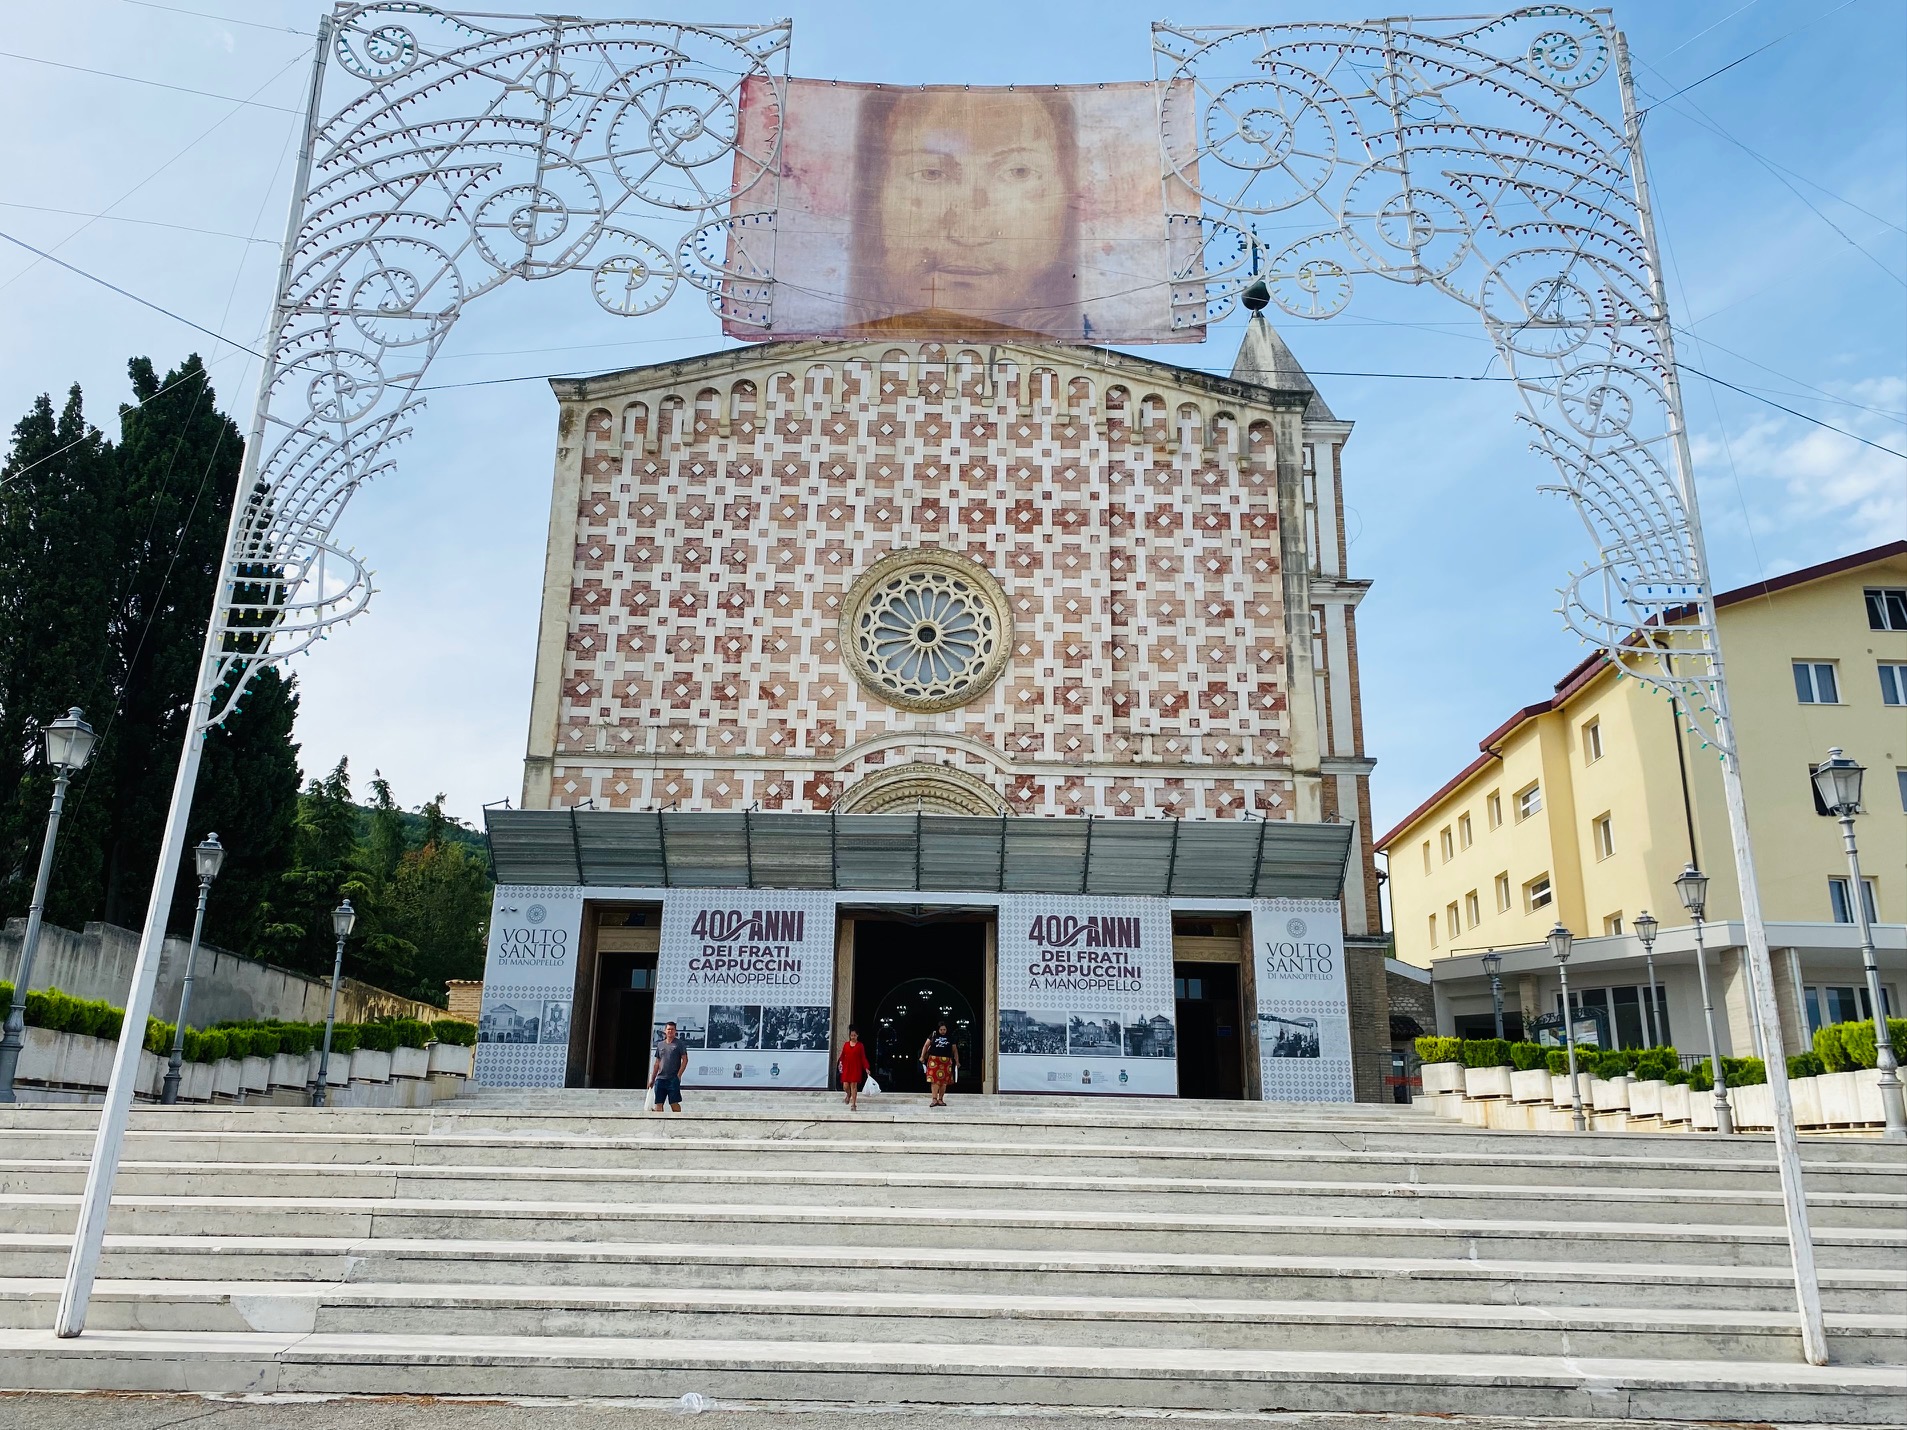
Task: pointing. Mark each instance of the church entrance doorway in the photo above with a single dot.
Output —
(908, 978)
(1211, 1042)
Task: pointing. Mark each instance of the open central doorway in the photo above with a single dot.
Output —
(908, 977)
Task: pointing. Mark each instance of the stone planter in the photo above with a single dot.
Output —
(227, 1078)
(368, 1065)
(40, 1054)
(1840, 1104)
(152, 1075)
(1645, 1097)
(451, 1058)
(1481, 1083)
(1609, 1094)
(289, 1070)
(254, 1074)
(1442, 1077)
(1530, 1085)
(195, 1082)
(410, 1062)
(1675, 1102)
(1754, 1107)
(1559, 1091)
(1806, 1095)
(338, 1074)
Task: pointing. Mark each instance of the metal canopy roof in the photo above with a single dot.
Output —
(954, 853)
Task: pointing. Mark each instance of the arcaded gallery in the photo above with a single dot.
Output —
(1012, 685)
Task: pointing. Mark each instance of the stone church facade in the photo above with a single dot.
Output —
(1019, 578)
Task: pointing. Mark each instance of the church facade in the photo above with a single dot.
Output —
(1008, 582)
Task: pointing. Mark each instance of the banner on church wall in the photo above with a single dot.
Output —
(1085, 996)
(1304, 1021)
(747, 975)
(961, 211)
(529, 982)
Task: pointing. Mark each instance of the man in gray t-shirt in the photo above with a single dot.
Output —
(665, 1074)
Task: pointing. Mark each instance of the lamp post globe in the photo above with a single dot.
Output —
(1560, 941)
(1837, 780)
(1493, 965)
(343, 919)
(209, 855)
(1691, 886)
(1645, 927)
(69, 744)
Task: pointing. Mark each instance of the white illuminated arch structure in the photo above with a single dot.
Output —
(469, 150)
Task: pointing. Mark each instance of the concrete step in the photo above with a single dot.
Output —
(1485, 1236)
(858, 1314)
(1059, 1376)
(728, 1265)
(1581, 1169)
(949, 1185)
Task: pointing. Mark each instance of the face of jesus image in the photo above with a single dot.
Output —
(966, 210)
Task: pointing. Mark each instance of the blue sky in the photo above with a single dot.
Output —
(1781, 186)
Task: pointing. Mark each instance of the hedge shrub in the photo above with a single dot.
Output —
(1440, 1050)
(344, 1038)
(1528, 1057)
(454, 1030)
(1804, 1065)
(1558, 1062)
(1486, 1053)
(1654, 1064)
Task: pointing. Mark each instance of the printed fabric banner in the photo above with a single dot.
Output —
(529, 980)
(1086, 1000)
(747, 976)
(1304, 1020)
(959, 211)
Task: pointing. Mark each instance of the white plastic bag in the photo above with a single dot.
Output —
(869, 1086)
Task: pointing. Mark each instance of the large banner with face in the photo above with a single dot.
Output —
(1085, 991)
(1304, 1020)
(529, 981)
(747, 976)
(965, 212)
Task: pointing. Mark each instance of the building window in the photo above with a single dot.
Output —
(1453, 922)
(1433, 930)
(1612, 925)
(1494, 806)
(1426, 856)
(1603, 831)
(1445, 844)
(1503, 892)
(1473, 908)
(1592, 742)
(1843, 1005)
(1536, 894)
(1900, 778)
(1464, 833)
(1814, 683)
(1529, 800)
(1842, 907)
(1893, 683)
(1887, 609)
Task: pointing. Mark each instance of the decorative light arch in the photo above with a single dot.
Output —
(469, 150)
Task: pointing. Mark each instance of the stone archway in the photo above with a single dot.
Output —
(929, 789)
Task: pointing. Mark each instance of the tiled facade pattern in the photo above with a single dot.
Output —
(713, 514)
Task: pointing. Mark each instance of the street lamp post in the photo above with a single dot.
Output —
(1493, 965)
(69, 744)
(1692, 885)
(343, 917)
(1646, 926)
(210, 855)
(1560, 939)
(1839, 784)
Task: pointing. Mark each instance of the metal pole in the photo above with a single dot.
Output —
(1884, 1059)
(96, 1200)
(1569, 1042)
(1496, 1001)
(1724, 1117)
(330, 1019)
(1648, 956)
(15, 1037)
(1794, 1197)
(169, 1093)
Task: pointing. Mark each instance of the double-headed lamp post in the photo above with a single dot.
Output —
(1646, 926)
(1692, 887)
(1493, 965)
(1839, 783)
(210, 855)
(1560, 941)
(343, 919)
(69, 744)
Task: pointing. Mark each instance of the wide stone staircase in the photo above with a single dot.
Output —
(1060, 1252)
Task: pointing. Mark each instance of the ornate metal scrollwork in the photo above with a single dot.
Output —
(1480, 159)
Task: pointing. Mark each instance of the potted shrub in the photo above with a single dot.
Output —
(454, 1046)
(291, 1064)
(1609, 1081)
(344, 1043)
(1804, 1089)
(1529, 1076)
(1675, 1097)
(1645, 1092)
(410, 1058)
(1486, 1068)
(1442, 1069)
(255, 1048)
(371, 1060)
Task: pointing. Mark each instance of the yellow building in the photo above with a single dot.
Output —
(1583, 808)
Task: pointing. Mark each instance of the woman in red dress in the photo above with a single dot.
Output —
(854, 1067)
(940, 1060)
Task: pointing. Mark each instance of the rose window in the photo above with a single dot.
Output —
(926, 630)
